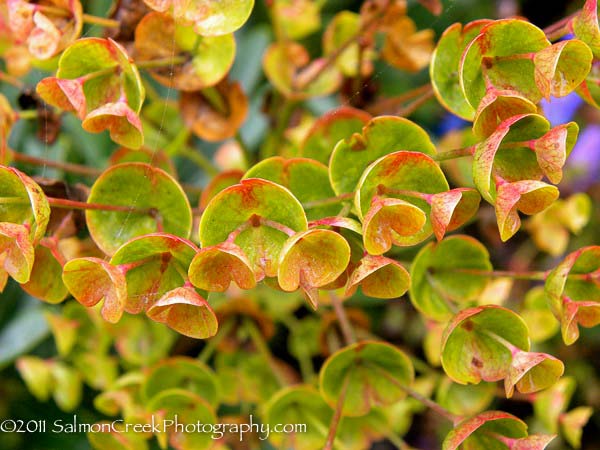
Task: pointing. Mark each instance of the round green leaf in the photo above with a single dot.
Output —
(293, 173)
(368, 374)
(153, 264)
(253, 198)
(491, 56)
(160, 205)
(180, 372)
(444, 67)
(497, 106)
(45, 281)
(379, 277)
(436, 278)
(379, 137)
(478, 344)
(23, 202)
(465, 400)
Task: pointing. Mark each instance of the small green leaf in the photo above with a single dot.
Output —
(23, 202)
(444, 67)
(180, 372)
(159, 201)
(329, 129)
(68, 387)
(465, 400)
(37, 376)
(585, 26)
(379, 277)
(214, 268)
(500, 56)
(437, 282)
(572, 423)
(344, 26)
(45, 281)
(373, 373)
(293, 173)
(91, 280)
(537, 315)
(478, 344)
(186, 312)
(380, 136)
(123, 124)
(550, 404)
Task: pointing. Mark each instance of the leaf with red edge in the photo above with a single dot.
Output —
(487, 430)
(501, 57)
(45, 37)
(24, 202)
(387, 221)
(123, 124)
(478, 343)
(154, 264)
(552, 149)
(560, 68)
(379, 277)
(329, 129)
(45, 282)
(186, 312)
(533, 442)
(214, 268)
(91, 280)
(573, 292)
(218, 183)
(240, 208)
(451, 209)
(444, 66)
(312, 259)
(527, 196)
(585, 26)
(507, 153)
(497, 106)
(532, 372)
(65, 94)
(572, 423)
(16, 251)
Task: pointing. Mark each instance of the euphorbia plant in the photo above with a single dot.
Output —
(344, 225)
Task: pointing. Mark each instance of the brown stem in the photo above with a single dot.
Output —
(337, 415)
(453, 154)
(390, 104)
(73, 204)
(67, 167)
(415, 104)
(345, 325)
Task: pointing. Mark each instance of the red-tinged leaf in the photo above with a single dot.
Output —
(585, 26)
(532, 372)
(123, 124)
(379, 277)
(218, 183)
(312, 259)
(16, 251)
(552, 149)
(214, 268)
(559, 69)
(497, 106)
(45, 281)
(91, 280)
(388, 218)
(586, 314)
(185, 311)
(512, 163)
(64, 94)
(478, 343)
(528, 196)
(451, 209)
(435, 7)
(573, 291)
(26, 202)
(37, 376)
(533, 442)
(481, 430)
